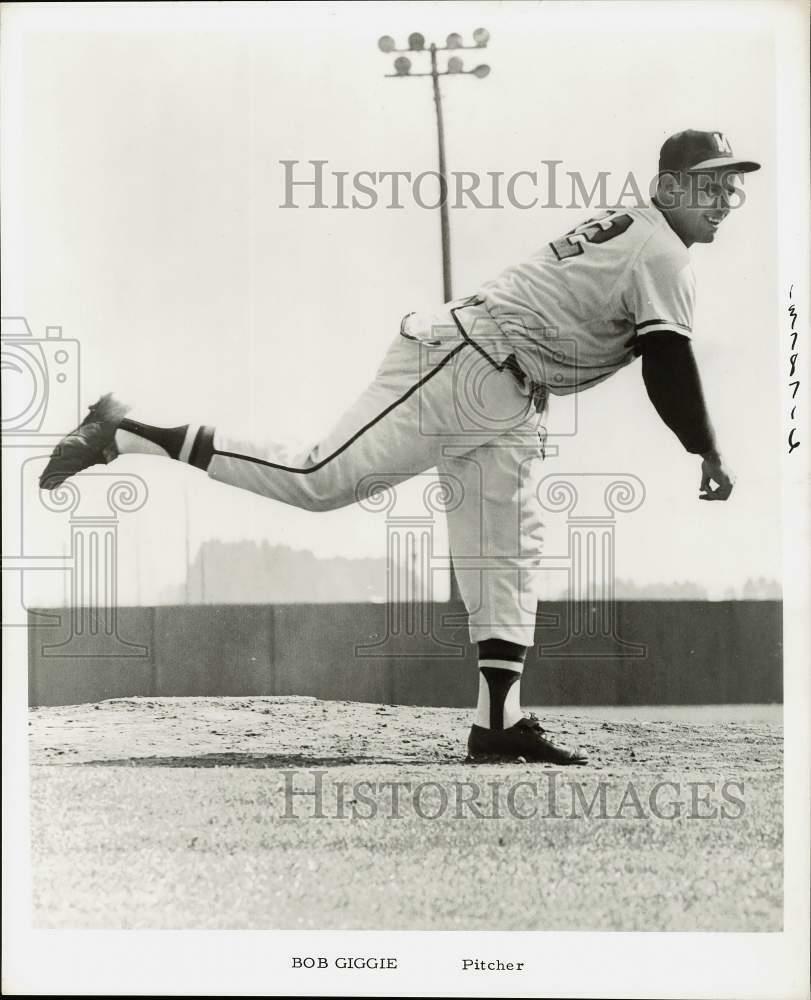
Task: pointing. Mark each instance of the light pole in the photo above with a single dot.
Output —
(455, 67)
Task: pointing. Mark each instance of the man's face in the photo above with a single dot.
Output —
(699, 202)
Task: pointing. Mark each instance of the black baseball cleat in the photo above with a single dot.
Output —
(91, 443)
(525, 739)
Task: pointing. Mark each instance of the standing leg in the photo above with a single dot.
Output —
(496, 544)
(496, 534)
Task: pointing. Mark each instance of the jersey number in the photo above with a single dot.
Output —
(593, 231)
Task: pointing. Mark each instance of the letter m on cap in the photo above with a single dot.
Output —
(721, 144)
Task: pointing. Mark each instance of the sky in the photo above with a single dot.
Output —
(145, 219)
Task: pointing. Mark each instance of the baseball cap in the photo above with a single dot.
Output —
(694, 150)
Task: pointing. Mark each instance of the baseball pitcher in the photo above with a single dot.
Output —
(465, 390)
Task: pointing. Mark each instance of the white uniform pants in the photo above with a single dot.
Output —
(442, 398)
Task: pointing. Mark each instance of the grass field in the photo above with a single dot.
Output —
(178, 813)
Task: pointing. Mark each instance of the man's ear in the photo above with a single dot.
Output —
(669, 189)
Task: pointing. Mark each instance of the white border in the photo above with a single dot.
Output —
(565, 964)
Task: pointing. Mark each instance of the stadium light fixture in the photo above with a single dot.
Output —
(454, 67)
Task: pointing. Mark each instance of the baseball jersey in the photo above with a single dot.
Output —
(572, 312)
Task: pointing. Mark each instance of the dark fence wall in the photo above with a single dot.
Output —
(636, 653)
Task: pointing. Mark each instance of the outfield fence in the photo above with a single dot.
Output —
(631, 653)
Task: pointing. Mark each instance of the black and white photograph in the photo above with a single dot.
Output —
(405, 439)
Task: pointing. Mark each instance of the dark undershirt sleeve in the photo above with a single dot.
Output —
(673, 384)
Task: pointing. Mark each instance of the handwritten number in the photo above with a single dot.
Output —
(792, 444)
(795, 385)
